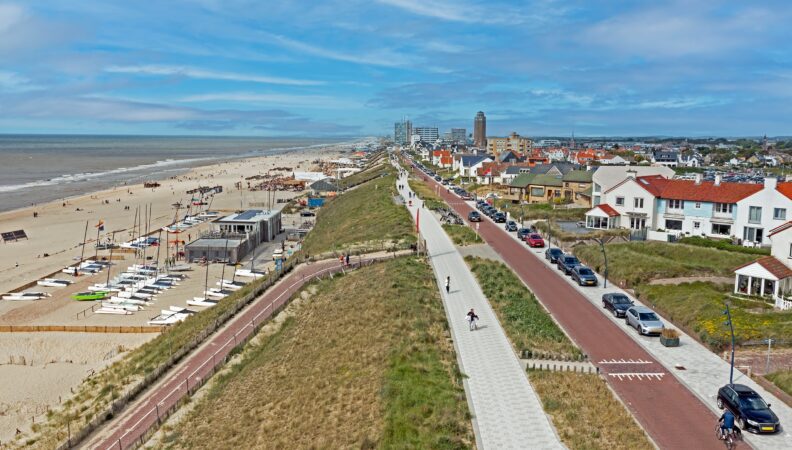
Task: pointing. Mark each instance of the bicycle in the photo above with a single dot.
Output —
(731, 438)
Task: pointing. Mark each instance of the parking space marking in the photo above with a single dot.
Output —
(623, 361)
(638, 376)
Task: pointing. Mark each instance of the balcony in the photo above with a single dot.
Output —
(674, 213)
(722, 217)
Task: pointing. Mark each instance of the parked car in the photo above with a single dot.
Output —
(616, 303)
(534, 240)
(566, 262)
(474, 216)
(522, 233)
(511, 226)
(499, 217)
(438, 178)
(553, 253)
(307, 213)
(749, 408)
(644, 320)
(584, 276)
(490, 211)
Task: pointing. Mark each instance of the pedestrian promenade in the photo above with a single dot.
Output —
(506, 410)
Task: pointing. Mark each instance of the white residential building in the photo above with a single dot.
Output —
(770, 276)
(765, 210)
(633, 200)
(606, 177)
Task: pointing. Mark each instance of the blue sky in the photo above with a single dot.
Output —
(353, 67)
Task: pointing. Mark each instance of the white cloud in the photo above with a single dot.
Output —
(10, 15)
(192, 72)
(313, 101)
(489, 13)
(384, 57)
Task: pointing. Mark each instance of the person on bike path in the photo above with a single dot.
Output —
(727, 423)
(472, 318)
(448, 284)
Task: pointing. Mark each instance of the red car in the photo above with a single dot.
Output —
(534, 240)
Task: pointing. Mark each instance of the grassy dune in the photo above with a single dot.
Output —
(782, 379)
(699, 307)
(639, 262)
(364, 216)
(585, 412)
(524, 319)
(365, 363)
(461, 234)
(427, 194)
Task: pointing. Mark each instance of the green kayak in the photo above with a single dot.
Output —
(90, 295)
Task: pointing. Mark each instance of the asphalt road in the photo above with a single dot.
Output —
(665, 408)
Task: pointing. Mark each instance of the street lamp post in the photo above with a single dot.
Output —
(605, 257)
(728, 322)
(549, 232)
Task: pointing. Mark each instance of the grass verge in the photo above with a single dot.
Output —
(529, 327)
(361, 216)
(536, 211)
(699, 307)
(634, 263)
(585, 413)
(461, 234)
(427, 194)
(723, 244)
(782, 379)
(366, 362)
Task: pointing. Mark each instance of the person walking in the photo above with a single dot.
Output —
(448, 284)
(347, 259)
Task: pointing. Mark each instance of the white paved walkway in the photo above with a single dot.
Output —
(506, 411)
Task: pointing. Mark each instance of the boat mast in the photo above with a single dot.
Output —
(82, 254)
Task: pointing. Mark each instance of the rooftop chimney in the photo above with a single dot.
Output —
(631, 173)
(717, 179)
(698, 178)
(770, 182)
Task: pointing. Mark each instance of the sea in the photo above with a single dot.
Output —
(41, 168)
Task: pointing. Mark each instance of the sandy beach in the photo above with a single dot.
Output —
(60, 361)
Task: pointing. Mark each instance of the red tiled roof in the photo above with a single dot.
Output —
(780, 228)
(785, 188)
(446, 159)
(706, 191)
(608, 209)
(772, 265)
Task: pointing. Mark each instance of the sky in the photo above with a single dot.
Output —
(354, 67)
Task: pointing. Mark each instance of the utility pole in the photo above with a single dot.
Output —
(605, 257)
(767, 364)
(728, 322)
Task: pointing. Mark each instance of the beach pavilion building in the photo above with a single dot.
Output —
(235, 236)
(770, 276)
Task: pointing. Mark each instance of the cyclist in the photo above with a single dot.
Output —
(727, 423)
(472, 318)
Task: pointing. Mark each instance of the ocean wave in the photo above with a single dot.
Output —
(77, 177)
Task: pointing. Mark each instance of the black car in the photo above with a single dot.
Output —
(511, 226)
(522, 233)
(306, 213)
(480, 205)
(474, 216)
(490, 211)
(566, 263)
(749, 408)
(616, 303)
(499, 217)
(552, 254)
(438, 178)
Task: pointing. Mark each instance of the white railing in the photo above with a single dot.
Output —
(782, 303)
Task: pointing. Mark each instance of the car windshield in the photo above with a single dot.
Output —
(620, 300)
(536, 236)
(753, 402)
(570, 260)
(555, 251)
(585, 271)
(648, 316)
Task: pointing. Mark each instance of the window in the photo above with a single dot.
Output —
(779, 213)
(696, 225)
(721, 229)
(698, 205)
(673, 225)
(752, 234)
(725, 208)
(676, 204)
(619, 201)
(790, 250)
(537, 192)
(638, 202)
(755, 214)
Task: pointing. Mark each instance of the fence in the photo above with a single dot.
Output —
(80, 328)
(211, 358)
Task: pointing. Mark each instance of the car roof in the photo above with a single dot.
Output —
(641, 309)
(743, 389)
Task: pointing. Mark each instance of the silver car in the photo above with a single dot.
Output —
(644, 320)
